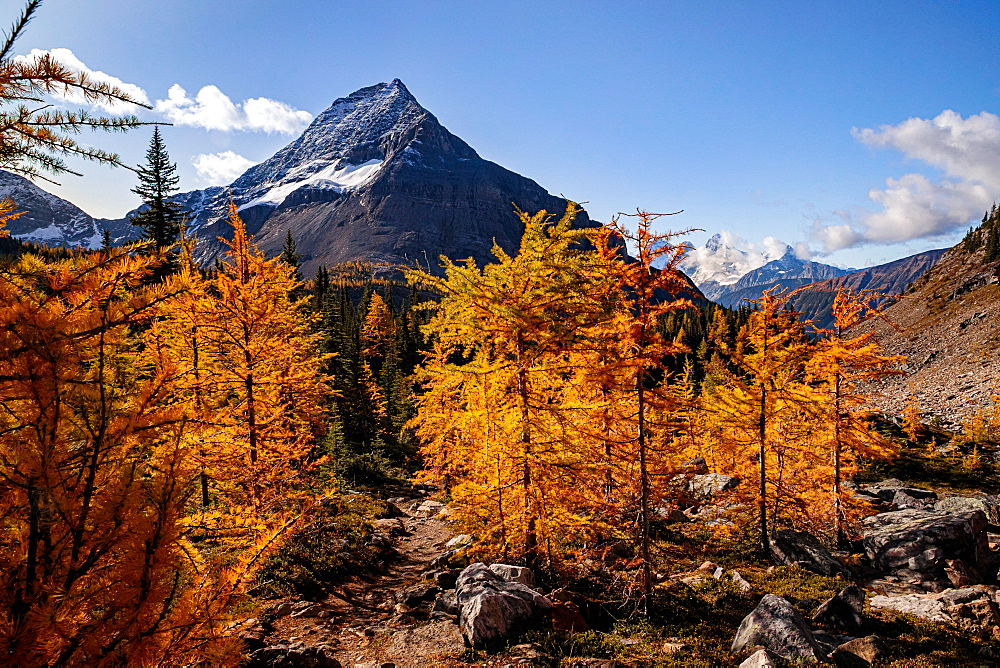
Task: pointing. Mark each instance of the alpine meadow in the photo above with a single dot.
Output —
(367, 398)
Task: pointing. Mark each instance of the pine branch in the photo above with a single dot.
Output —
(16, 29)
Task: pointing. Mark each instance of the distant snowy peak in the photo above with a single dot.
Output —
(375, 177)
(725, 258)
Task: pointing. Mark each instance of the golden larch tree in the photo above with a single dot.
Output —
(495, 386)
(635, 352)
(267, 369)
(761, 408)
(840, 361)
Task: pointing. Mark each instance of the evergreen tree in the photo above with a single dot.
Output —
(161, 219)
(291, 256)
(992, 252)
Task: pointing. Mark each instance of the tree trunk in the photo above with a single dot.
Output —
(765, 548)
(647, 579)
(531, 526)
(838, 511)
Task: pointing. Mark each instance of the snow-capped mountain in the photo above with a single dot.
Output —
(47, 219)
(724, 259)
(374, 177)
(787, 272)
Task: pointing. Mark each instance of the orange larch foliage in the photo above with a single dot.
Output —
(638, 440)
(264, 373)
(95, 464)
(762, 411)
(498, 426)
(912, 426)
(841, 360)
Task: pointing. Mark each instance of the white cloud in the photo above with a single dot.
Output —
(212, 109)
(272, 116)
(966, 150)
(68, 59)
(914, 207)
(219, 169)
(835, 237)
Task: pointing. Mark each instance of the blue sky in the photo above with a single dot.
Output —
(750, 116)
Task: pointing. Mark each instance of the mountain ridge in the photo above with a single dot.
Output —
(375, 177)
(890, 279)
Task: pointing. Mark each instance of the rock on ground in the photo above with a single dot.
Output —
(704, 487)
(803, 549)
(860, 652)
(916, 545)
(490, 609)
(292, 656)
(762, 658)
(510, 573)
(775, 625)
(843, 610)
(428, 641)
(990, 505)
(919, 605)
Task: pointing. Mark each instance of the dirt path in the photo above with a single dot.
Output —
(366, 627)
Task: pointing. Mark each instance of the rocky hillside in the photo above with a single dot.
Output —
(949, 330)
(375, 177)
(891, 279)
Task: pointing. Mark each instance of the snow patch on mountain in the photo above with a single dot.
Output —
(47, 219)
(331, 177)
(726, 257)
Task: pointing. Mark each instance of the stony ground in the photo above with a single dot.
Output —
(366, 628)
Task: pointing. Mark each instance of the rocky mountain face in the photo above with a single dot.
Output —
(891, 279)
(375, 178)
(47, 219)
(948, 327)
(787, 272)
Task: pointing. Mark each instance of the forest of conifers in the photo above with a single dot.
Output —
(166, 429)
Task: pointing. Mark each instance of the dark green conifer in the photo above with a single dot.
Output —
(290, 254)
(992, 253)
(161, 218)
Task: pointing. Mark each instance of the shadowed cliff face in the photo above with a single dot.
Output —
(375, 177)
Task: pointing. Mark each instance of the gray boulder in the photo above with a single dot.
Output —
(510, 573)
(916, 545)
(775, 625)
(762, 658)
(860, 652)
(492, 610)
(799, 548)
(990, 505)
(918, 605)
(842, 611)
(705, 487)
(446, 602)
(696, 465)
(412, 597)
(887, 490)
(904, 498)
